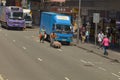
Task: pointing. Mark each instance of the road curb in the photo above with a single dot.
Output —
(97, 53)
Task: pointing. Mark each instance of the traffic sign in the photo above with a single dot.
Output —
(96, 17)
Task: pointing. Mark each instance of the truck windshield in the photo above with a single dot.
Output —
(63, 28)
(27, 18)
(16, 15)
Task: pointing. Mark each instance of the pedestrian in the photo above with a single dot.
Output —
(52, 38)
(42, 35)
(111, 41)
(105, 43)
(83, 36)
(100, 38)
(119, 40)
(87, 35)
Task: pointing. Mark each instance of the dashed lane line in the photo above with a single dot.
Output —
(14, 40)
(90, 63)
(59, 49)
(1, 77)
(66, 78)
(33, 36)
(116, 75)
(39, 59)
(102, 68)
(24, 47)
(37, 40)
(6, 35)
(87, 62)
(83, 61)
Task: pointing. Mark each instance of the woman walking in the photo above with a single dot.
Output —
(105, 43)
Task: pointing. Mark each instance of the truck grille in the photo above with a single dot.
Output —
(63, 37)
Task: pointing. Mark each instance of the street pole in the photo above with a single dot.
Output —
(79, 22)
(96, 19)
(95, 34)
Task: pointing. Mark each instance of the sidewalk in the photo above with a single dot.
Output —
(114, 56)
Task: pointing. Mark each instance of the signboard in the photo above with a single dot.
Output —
(96, 17)
(61, 9)
(63, 17)
(57, 0)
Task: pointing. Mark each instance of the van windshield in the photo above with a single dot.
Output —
(16, 15)
(63, 28)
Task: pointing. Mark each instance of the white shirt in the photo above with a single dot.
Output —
(100, 37)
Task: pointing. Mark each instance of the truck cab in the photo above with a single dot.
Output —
(64, 32)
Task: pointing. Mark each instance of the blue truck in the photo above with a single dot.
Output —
(58, 23)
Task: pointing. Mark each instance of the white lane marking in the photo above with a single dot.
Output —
(1, 78)
(66, 78)
(40, 59)
(37, 40)
(98, 62)
(118, 78)
(5, 34)
(116, 75)
(102, 68)
(14, 40)
(87, 62)
(32, 36)
(59, 49)
(90, 63)
(83, 61)
(118, 72)
(24, 48)
(26, 37)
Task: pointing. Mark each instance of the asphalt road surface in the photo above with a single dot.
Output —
(23, 57)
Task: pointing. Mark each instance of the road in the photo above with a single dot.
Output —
(23, 57)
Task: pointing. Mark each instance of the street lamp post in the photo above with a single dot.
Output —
(79, 22)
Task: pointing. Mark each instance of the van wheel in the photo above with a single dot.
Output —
(1, 24)
(7, 27)
(23, 29)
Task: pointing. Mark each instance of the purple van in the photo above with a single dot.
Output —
(12, 16)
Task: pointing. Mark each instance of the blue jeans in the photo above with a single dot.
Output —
(105, 50)
(87, 38)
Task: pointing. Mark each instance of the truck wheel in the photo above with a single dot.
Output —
(68, 43)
